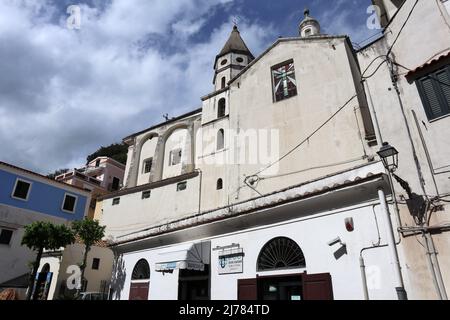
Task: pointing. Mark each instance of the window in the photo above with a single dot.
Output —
(221, 108)
(146, 195)
(116, 201)
(69, 203)
(219, 184)
(308, 32)
(281, 253)
(239, 60)
(175, 157)
(224, 82)
(284, 83)
(95, 264)
(434, 90)
(115, 184)
(97, 163)
(5, 236)
(141, 271)
(224, 62)
(21, 190)
(148, 165)
(181, 186)
(220, 140)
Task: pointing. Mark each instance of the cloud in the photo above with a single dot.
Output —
(63, 93)
(346, 17)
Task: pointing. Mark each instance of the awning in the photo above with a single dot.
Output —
(191, 256)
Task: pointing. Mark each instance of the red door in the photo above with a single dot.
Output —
(139, 291)
(317, 286)
(248, 289)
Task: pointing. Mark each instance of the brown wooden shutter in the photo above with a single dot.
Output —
(247, 289)
(317, 286)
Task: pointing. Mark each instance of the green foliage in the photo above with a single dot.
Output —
(57, 173)
(42, 235)
(45, 235)
(115, 151)
(90, 231)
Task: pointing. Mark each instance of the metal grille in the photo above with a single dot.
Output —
(141, 271)
(281, 253)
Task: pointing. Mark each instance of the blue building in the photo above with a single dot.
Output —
(26, 197)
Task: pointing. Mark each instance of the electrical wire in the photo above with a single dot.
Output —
(401, 29)
(376, 70)
(313, 168)
(307, 138)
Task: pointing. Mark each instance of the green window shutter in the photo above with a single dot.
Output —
(431, 98)
(443, 80)
(434, 91)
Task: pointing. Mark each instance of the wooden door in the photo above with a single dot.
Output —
(317, 286)
(247, 289)
(139, 291)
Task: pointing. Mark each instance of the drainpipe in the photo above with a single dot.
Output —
(430, 265)
(399, 286)
(427, 153)
(200, 191)
(373, 113)
(364, 277)
(435, 265)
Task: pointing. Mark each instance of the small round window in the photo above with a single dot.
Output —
(240, 60)
(224, 61)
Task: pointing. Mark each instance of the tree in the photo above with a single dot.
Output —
(44, 235)
(90, 231)
(115, 151)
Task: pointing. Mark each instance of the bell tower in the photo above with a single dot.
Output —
(234, 57)
(309, 26)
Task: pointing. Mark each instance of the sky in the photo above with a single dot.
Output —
(64, 92)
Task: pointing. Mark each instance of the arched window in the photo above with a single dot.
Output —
(141, 270)
(221, 108)
(219, 184)
(281, 253)
(220, 139)
(45, 268)
(224, 82)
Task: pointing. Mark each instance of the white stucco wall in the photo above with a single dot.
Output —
(73, 256)
(425, 37)
(15, 258)
(312, 235)
(165, 204)
(325, 83)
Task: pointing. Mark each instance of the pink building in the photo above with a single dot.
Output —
(101, 176)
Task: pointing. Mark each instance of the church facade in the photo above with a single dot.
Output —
(273, 189)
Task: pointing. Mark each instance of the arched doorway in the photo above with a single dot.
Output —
(284, 254)
(280, 254)
(43, 282)
(140, 281)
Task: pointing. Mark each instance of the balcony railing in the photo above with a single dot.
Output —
(80, 175)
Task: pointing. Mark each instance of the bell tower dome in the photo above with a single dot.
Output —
(233, 57)
(309, 26)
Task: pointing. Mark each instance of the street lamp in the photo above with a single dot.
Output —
(389, 156)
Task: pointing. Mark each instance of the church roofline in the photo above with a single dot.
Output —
(318, 37)
(186, 115)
